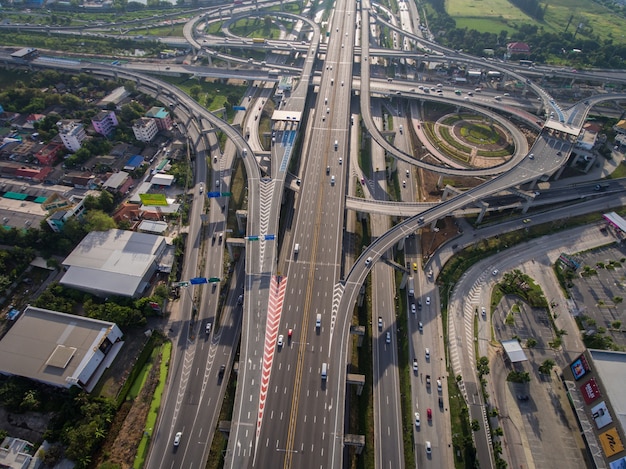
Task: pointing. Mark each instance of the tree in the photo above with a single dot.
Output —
(531, 342)
(97, 220)
(483, 366)
(475, 425)
(546, 367)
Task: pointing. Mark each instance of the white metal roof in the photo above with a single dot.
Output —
(50, 346)
(514, 351)
(114, 261)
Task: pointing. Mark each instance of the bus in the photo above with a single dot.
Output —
(259, 40)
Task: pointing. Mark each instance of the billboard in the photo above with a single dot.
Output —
(590, 391)
(611, 442)
(580, 367)
(619, 464)
(153, 199)
(600, 414)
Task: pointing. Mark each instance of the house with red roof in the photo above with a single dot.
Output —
(517, 48)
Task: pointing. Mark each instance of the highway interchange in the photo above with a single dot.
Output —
(285, 414)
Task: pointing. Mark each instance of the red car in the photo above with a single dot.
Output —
(289, 333)
(429, 413)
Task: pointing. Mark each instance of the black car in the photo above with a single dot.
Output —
(522, 397)
(222, 371)
(440, 402)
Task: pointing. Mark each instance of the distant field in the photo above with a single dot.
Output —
(497, 15)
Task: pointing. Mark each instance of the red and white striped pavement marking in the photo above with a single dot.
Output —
(278, 285)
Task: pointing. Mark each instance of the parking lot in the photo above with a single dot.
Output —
(600, 296)
(536, 416)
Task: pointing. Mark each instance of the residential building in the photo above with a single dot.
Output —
(104, 122)
(64, 209)
(162, 117)
(145, 129)
(72, 134)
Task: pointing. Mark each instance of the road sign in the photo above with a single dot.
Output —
(239, 108)
(227, 194)
(269, 237)
(197, 280)
(213, 194)
(252, 238)
(214, 279)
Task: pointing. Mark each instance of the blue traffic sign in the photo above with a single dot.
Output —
(198, 280)
(239, 108)
(269, 237)
(213, 194)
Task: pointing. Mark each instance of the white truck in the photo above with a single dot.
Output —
(411, 286)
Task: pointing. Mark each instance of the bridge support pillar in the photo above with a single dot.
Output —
(359, 332)
(358, 441)
(359, 380)
(558, 173)
(242, 220)
(401, 244)
(359, 300)
(440, 182)
(481, 215)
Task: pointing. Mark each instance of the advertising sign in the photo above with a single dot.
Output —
(590, 391)
(580, 367)
(601, 415)
(619, 464)
(611, 442)
(153, 199)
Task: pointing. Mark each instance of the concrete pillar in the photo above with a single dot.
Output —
(481, 215)
(401, 245)
(242, 219)
(440, 181)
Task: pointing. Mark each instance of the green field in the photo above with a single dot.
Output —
(496, 15)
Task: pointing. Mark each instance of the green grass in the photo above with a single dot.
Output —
(497, 15)
(144, 444)
(140, 380)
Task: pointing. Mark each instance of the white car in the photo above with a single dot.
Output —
(388, 337)
(420, 326)
(427, 353)
(368, 261)
(207, 329)
(380, 323)
(428, 300)
(281, 339)
(413, 309)
(439, 385)
(495, 272)
(415, 367)
(201, 188)
(417, 419)
(484, 312)
(428, 448)
(177, 438)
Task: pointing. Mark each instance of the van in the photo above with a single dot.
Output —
(296, 249)
(318, 321)
(324, 371)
